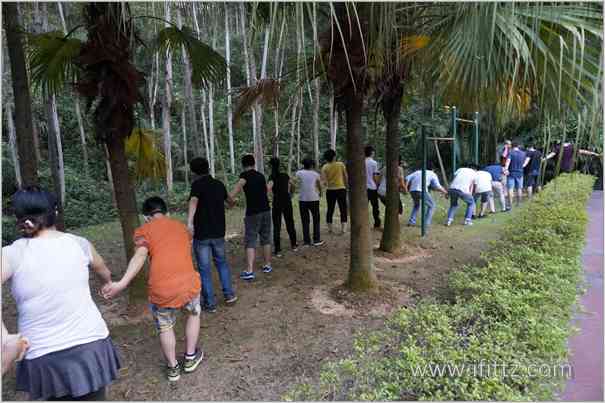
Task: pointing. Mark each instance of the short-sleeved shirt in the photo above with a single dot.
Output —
(415, 180)
(209, 218)
(517, 158)
(334, 172)
(533, 167)
(256, 192)
(308, 185)
(495, 171)
(371, 170)
(50, 284)
(483, 182)
(382, 187)
(463, 179)
(567, 159)
(173, 281)
(281, 189)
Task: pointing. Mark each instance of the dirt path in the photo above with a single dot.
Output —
(285, 324)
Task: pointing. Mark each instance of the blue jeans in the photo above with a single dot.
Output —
(215, 248)
(456, 194)
(515, 182)
(430, 207)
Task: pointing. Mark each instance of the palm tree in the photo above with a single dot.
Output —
(105, 76)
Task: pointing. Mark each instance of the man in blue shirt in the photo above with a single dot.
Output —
(497, 173)
(533, 169)
(515, 163)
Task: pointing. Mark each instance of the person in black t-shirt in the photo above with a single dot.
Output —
(206, 221)
(281, 186)
(257, 222)
(533, 170)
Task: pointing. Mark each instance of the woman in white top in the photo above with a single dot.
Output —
(70, 354)
(308, 200)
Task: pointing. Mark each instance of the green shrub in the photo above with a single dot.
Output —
(515, 310)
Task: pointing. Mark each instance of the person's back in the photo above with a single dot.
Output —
(517, 159)
(173, 280)
(535, 162)
(495, 171)
(483, 182)
(463, 179)
(50, 286)
(308, 180)
(280, 189)
(415, 180)
(209, 217)
(255, 190)
(334, 174)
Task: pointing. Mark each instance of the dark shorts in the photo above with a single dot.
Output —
(532, 180)
(257, 225)
(485, 196)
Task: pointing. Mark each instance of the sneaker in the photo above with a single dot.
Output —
(318, 243)
(247, 275)
(468, 222)
(230, 300)
(449, 223)
(173, 373)
(295, 248)
(411, 224)
(209, 308)
(267, 269)
(278, 255)
(191, 363)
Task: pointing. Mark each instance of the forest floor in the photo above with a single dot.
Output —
(286, 324)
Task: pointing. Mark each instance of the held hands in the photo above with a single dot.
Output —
(14, 347)
(111, 289)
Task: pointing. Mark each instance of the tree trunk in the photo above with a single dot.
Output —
(12, 143)
(333, 122)
(23, 114)
(211, 133)
(391, 107)
(189, 101)
(110, 176)
(185, 162)
(278, 66)
(127, 210)
(292, 134)
(166, 104)
(316, 121)
(229, 106)
(77, 106)
(204, 128)
(361, 271)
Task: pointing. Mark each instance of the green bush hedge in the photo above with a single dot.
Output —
(515, 311)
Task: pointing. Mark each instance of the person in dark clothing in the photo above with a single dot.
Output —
(257, 222)
(516, 162)
(567, 159)
(281, 186)
(206, 222)
(532, 170)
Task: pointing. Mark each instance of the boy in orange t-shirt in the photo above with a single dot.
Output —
(173, 282)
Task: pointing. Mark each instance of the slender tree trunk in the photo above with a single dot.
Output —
(300, 112)
(211, 133)
(185, 162)
(77, 107)
(12, 143)
(55, 146)
(229, 106)
(361, 271)
(154, 80)
(333, 122)
(278, 66)
(23, 114)
(204, 128)
(391, 107)
(189, 101)
(166, 104)
(109, 175)
(316, 121)
(292, 134)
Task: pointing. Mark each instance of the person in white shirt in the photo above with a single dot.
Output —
(70, 354)
(414, 185)
(462, 188)
(373, 179)
(308, 201)
(382, 188)
(484, 191)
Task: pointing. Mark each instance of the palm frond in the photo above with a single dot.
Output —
(52, 60)
(265, 91)
(208, 66)
(149, 161)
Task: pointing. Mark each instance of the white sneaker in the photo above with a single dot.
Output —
(448, 223)
(468, 222)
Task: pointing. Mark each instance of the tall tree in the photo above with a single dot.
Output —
(77, 105)
(12, 142)
(229, 103)
(167, 104)
(23, 114)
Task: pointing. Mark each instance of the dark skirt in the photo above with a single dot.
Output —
(75, 371)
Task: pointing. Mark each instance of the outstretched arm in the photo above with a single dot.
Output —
(134, 266)
(98, 265)
(191, 213)
(586, 152)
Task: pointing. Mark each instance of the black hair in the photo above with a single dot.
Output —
(474, 166)
(329, 155)
(199, 166)
(308, 163)
(248, 161)
(368, 150)
(35, 210)
(274, 162)
(154, 205)
(515, 144)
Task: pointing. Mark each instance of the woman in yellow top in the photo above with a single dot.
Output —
(334, 175)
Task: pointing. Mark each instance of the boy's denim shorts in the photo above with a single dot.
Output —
(165, 318)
